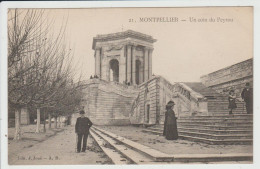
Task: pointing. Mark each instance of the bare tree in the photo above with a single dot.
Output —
(23, 43)
(39, 66)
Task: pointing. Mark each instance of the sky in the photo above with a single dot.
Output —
(184, 50)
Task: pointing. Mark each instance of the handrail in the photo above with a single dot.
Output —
(183, 90)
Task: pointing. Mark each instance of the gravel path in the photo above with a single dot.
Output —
(58, 149)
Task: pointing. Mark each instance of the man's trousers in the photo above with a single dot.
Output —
(84, 137)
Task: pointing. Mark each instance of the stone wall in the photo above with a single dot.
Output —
(232, 77)
(109, 103)
(147, 99)
(156, 93)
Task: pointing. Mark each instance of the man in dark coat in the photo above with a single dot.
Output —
(82, 129)
(247, 96)
(170, 124)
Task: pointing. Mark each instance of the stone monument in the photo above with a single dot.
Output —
(124, 57)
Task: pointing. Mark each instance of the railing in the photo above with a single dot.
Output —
(194, 102)
(183, 90)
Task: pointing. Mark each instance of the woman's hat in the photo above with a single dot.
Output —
(170, 104)
(82, 112)
(231, 91)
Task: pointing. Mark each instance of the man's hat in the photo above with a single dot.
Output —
(82, 112)
(247, 84)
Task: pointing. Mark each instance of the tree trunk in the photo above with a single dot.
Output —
(49, 119)
(17, 134)
(55, 122)
(44, 121)
(38, 125)
(58, 121)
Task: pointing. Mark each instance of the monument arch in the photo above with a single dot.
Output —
(114, 70)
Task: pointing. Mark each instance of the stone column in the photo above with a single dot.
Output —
(141, 73)
(104, 66)
(146, 63)
(133, 65)
(150, 64)
(97, 62)
(128, 62)
(122, 66)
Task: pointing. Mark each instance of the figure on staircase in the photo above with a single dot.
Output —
(232, 101)
(170, 125)
(247, 96)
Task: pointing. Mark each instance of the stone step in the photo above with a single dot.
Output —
(207, 140)
(210, 131)
(219, 142)
(200, 123)
(218, 127)
(216, 136)
(204, 134)
(215, 118)
(235, 120)
(221, 116)
(225, 109)
(218, 104)
(226, 113)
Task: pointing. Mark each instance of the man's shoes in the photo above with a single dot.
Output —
(83, 151)
(78, 151)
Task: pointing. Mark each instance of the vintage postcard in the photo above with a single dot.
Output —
(129, 85)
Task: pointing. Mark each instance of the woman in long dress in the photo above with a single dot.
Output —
(232, 101)
(170, 124)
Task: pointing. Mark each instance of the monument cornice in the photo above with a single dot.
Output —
(122, 35)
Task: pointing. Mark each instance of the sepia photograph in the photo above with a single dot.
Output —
(129, 85)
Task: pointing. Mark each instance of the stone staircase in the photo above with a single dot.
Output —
(217, 129)
(217, 103)
(219, 106)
